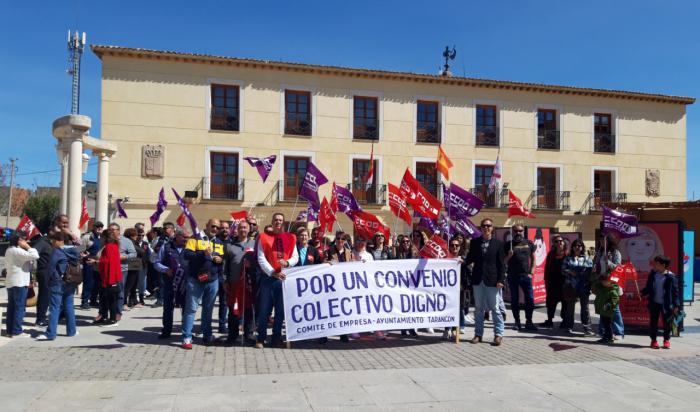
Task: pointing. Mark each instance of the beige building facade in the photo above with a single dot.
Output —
(187, 121)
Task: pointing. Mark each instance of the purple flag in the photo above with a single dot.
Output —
(309, 187)
(188, 214)
(303, 215)
(624, 224)
(467, 228)
(425, 222)
(120, 210)
(346, 200)
(264, 165)
(312, 213)
(461, 203)
(160, 207)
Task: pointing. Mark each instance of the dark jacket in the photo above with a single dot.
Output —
(489, 267)
(312, 256)
(43, 246)
(200, 262)
(671, 295)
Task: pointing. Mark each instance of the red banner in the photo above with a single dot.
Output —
(27, 226)
(84, 217)
(367, 225)
(434, 248)
(516, 207)
(326, 217)
(540, 237)
(419, 198)
(398, 205)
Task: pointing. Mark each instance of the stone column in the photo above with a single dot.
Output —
(63, 161)
(102, 205)
(75, 183)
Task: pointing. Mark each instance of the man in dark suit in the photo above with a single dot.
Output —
(488, 278)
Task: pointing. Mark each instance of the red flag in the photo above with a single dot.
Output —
(237, 217)
(420, 199)
(367, 225)
(443, 163)
(84, 217)
(434, 248)
(27, 226)
(334, 200)
(181, 219)
(370, 172)
(398, 205)
(516, 208)
(326, 217)
(623, 273)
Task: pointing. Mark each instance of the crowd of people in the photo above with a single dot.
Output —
(243, 267)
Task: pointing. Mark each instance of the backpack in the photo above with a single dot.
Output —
(74, 273)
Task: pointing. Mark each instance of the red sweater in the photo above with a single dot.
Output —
(110, 265)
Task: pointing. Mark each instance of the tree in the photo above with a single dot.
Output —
(42, 210)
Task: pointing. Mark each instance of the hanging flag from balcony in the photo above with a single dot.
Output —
(236, 219)
(467, 228)
(84, 217)
(443, 163)
(160, 207)
(187, 213)
(367, 225)
(370, 173)
(420, 199)
(120, 209)
(434, 248)
(626, 225)
(495, 176)
(460, 202)
(398, 205)
(344, 200)
(326, 217)
(264, 165)
(516, 208)
(309, 187)
(181, 220)
(27, 226)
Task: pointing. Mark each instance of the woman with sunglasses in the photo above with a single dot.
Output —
(454, 252)
(380, 250)
(577, 268)
(554, 282)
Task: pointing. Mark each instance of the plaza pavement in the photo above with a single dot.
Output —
(127, 368)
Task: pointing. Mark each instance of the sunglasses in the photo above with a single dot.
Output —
(455, 245)
(578, 245)
(485, 226)
(519, 231)
(405, 241)
(214, 227)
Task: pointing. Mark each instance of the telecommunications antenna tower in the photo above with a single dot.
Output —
(76, 45)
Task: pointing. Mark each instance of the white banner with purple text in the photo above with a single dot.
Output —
(353, 297)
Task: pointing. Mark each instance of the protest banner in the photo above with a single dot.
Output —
(353, 297)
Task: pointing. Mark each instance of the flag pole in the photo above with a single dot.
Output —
(255, 199)
(294, 210)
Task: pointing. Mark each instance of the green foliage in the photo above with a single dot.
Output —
(42, 210)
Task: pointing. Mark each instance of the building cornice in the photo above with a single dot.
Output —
(138, 53)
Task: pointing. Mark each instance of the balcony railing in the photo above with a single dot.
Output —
(604, 143)
(597, 199)
(428, 133)
(548, 139)
(550, 200)
(224, 119)
(499, 197)
(365, 132)
(222, 188)
(300, 127)
(487, 136)
(375, 195)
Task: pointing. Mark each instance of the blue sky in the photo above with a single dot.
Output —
(649, 46)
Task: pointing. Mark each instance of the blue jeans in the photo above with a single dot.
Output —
(271, 296)
(618, 327)
(486, 298)
(142, 284)
(196, 291)
(61, 298)
(16, 304)
(161, 282)
(88, 284)
(524, 282)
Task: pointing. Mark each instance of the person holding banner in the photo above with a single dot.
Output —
(662, 291)
(488, 278)
(339, 251)
(606, 260)
(577, 269)
(276, 251)
(240, 274)
(205, 258)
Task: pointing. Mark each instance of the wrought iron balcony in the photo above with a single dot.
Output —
(428, 133)
(224, 119)
(597, 199)
(297, 127)
(550, 200)
(374, 195)
(548, 139)
(604, 143)
(487, 136)
(497, 199)
(222, 187)
(365, 132)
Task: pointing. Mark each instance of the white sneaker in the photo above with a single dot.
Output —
(430, 331)
(462, 331)
(469, 320)
(22, 335)
(43, 337)
(76, 334)
(146, 293)
(110, 324)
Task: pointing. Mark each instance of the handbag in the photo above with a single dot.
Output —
(31, 297)
(135, 264)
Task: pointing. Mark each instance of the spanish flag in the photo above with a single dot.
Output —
(443, 163)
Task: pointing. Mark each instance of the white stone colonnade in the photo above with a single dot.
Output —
(72, 134)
